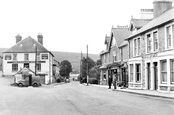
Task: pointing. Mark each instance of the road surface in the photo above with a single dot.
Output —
(77, 99)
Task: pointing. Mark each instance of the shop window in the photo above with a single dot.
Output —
(172, 70)
(164, 71)
(14, 67)
(138, 73)
(131, 72)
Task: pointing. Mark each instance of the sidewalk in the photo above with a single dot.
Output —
(167, 95)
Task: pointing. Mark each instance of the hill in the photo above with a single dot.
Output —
(73, 58)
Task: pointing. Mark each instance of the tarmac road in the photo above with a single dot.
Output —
(77, 99)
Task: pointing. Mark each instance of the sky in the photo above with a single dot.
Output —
(66, 25)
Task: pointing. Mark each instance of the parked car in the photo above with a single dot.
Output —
(29, 80)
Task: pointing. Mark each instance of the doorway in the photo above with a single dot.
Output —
(26, 65)
(155, 75)
(30, 80)
(148, 76)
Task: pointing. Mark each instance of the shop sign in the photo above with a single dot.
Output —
(25, 62)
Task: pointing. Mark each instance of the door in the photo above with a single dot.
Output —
(30, 80)
(148, 76)
(156, 76)
(26, 65)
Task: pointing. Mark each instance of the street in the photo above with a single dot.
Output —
(77, 99)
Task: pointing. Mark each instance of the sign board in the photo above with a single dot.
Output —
(44, 56)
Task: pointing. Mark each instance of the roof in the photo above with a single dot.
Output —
(138, 23)
(27, 45)
(163, 18)
(123, 44)
(120, 34)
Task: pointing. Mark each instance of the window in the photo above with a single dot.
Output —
(138, 46)
(172, 70)
(14, 67)
(168, 32)
(44, 56)
(14, 57)
(138, 73)
(7, 56)
(114, 56)
(155, 40)
(164, 71)
(26, 57)
(173, 34)
(135, 47)
(149, 43)
(38, 57)
(38, 66)
(131, 72)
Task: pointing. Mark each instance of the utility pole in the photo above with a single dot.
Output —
(87, 66)
(80, 67)
(35, 61)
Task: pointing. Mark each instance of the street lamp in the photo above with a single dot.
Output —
(65, 70)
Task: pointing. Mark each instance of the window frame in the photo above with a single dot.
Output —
(38, 67)
(163, 72)
(138, 73)
(26, 57)
(171, 25)
(15, 57)
(131, 72)
(14, 69)
(137, 46)
(155, 41)
(172, 70)
(149, 45)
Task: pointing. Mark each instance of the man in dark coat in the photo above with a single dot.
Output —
(109, 81)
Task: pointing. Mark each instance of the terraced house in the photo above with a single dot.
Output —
(151, 57)
(31, 54)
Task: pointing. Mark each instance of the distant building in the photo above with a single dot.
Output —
(29, 53)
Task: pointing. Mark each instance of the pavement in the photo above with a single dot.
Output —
(152, 93)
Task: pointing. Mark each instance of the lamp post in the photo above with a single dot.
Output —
(65, 70)
(87, 66)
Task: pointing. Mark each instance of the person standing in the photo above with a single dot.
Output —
(115, 81)
(109, 81)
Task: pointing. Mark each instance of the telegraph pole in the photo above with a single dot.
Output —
(87, 66)
(35, 61)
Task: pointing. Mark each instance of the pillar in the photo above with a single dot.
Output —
(168, 74)
(146, 76)
(159, 75)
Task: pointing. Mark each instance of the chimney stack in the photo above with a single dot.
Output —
(18, 38)
(40, 38)
(160, 6)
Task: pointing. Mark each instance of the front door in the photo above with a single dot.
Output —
(148, 76)
(156, 75)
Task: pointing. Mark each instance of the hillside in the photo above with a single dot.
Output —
(73, 58)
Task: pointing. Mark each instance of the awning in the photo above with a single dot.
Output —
(114, 65)
(104, 66)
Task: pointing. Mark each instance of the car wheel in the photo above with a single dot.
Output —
(35, 85)
(20, 85)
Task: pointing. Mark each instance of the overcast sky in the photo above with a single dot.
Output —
(66, 25)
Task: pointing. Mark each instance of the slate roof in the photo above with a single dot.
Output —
(163, 18)
(27, 45)
(123, 44)
(120, 34)
(138, 23)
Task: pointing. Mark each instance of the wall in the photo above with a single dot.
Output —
(7, 67)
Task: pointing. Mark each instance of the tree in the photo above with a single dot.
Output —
(84, 62)
(95, 73)
(65, 68)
